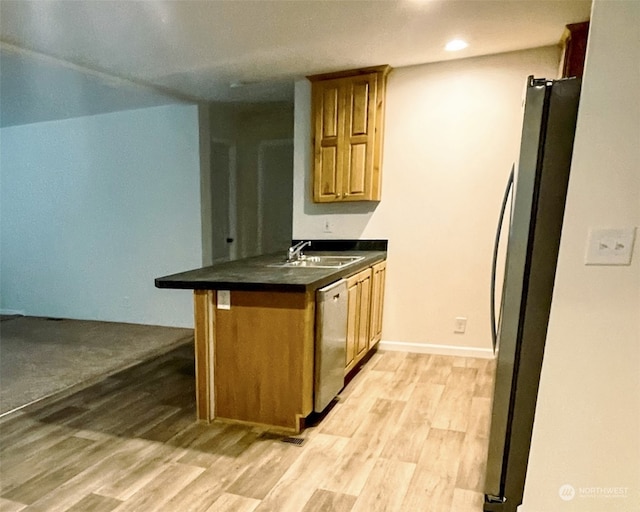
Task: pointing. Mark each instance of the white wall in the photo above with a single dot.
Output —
(587, 426)
(452, 131)
(94, 208)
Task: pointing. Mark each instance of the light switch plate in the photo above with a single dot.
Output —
(224, 299)
(610, 246)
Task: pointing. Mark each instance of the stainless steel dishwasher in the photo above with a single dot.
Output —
(331, 342)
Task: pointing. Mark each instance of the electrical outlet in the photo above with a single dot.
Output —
(460, 324)
(328, 228)
(223, 299)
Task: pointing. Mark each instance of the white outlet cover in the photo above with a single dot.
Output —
(460, 324)
(224, 299)
(610, 246)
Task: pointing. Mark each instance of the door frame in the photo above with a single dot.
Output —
(232, 194)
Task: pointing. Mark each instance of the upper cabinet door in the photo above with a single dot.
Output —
(360, 118)
(347, 114)
(328, 115)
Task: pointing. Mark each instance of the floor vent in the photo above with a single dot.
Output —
(293, 440)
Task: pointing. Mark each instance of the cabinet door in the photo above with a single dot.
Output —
(364, 292)
(352, 321)
(359, 136)
(347, 119)
(377, 301)
(359, 306)
(328, 115)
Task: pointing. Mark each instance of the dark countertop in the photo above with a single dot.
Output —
(254, 273)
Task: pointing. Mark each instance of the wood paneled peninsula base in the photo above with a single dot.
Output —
(254, 337)
(254, 361)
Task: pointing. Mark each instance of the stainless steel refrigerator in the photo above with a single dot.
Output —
(538, 199)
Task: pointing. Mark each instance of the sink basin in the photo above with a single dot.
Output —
(320, 262)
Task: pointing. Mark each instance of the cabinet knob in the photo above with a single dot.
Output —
(346, 194)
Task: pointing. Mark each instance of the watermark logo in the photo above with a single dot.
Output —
(567, 492)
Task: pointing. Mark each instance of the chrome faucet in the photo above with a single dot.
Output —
(294, 253)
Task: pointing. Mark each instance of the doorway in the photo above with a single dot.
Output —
(223, 200)
(248, 178)
(275, 195)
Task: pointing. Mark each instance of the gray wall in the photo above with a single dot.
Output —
(246, 126)
(94, 208)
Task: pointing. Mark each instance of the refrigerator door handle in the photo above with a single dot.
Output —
(503, 209)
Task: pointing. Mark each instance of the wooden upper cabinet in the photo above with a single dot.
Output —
(348, 117)
(574, 42)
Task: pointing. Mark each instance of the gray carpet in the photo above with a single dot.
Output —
(40, 357)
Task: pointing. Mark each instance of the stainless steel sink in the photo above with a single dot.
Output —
(320, 262)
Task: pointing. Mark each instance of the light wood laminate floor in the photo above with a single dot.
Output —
(409, 433)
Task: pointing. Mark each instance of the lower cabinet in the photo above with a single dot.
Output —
(378, 274)
(364, 320)
(254, 357)
(359, 300)
(254, 360)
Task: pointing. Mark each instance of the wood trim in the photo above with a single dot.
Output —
(378, 139)
(308, 342)
(575, 49)
(384, 70)
(262, 426)
(204, 339)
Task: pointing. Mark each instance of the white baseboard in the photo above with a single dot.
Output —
(442, 350)
(11, 312)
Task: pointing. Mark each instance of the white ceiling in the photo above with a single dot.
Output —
(197, 49)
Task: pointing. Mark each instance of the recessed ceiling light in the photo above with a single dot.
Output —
(455, 45)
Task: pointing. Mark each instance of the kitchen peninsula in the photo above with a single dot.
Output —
(255, 329)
